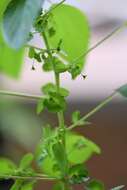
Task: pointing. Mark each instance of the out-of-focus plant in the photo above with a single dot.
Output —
(62, 154)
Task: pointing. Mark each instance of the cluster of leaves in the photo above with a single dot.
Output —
(16, 19)
(61, 35)
(8, 168)
(54, 100)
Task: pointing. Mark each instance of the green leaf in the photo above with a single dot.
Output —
(26, 161)
(10, 60)
(63, 92)
(96, 185)
(52, 88)
(18, 20)
(37, 57)
(49, 88)
(6, 166)
(118, 188)
(60, 157)
(75, 116)
(59, 186)
(78, 174)
(40, 106)
(47, 66)
(55, 103)
(123, 90)
(31, 52)
(59, 66)
(79, 148)
(78, 169)
(3, 5)
(47, 132)
(71, 26)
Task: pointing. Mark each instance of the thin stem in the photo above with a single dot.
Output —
(54, 7)
(118, 29)
(21, 95)
(91, 113)
(60, 114)
(57, 80)
(40, 49)
(26, 177)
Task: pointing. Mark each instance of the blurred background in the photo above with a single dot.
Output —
(20, 127)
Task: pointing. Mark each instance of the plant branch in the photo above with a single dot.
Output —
(54, 7)
(21, 95)
(57, 79)
(118, 29)
(26, 177)
(91, 113)
(40, 49)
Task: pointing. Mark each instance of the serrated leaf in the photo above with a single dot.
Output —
(40, 106)
(118, 188)
(6, 166)
(123, 90)
(95, 185)
(10, 60)
(26, 161)
(18, 20)
(72, 28)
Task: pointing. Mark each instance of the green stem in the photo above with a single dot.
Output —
(118, 29)
(21, 95)
(60, 114)
(57, 80)
(54, 7)
(40, 49)
(26, 177)
(91, 113)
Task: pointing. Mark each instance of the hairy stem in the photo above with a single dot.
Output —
(91, 113)
(20, 95)
(118, 29)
